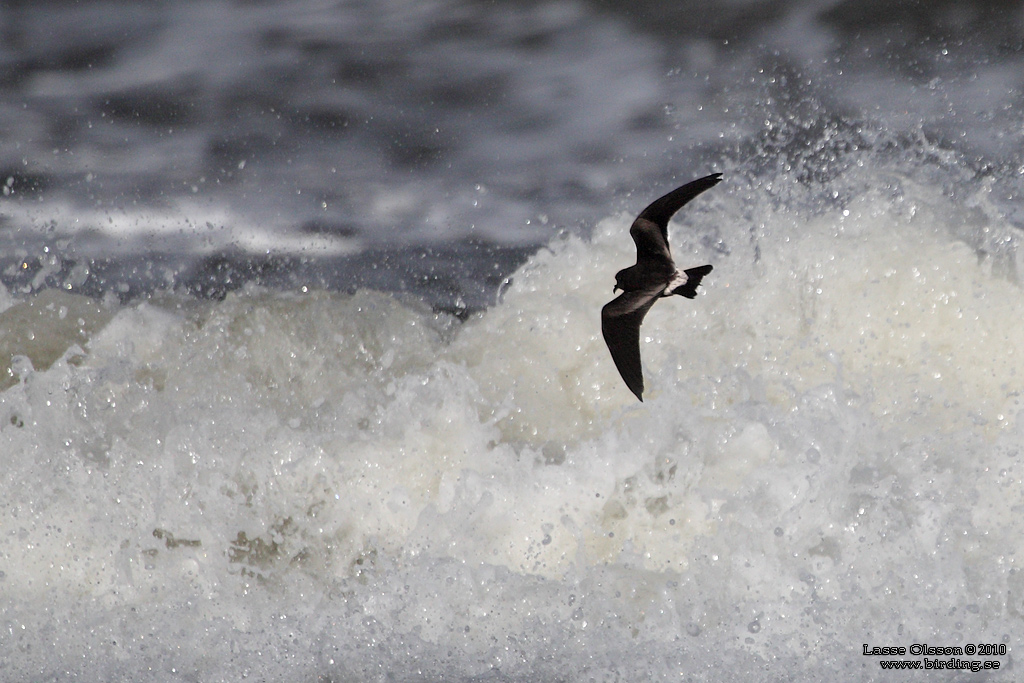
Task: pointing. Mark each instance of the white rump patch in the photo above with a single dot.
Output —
(678, 280)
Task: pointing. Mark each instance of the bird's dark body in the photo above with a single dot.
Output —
(653, 276)
(637, 277)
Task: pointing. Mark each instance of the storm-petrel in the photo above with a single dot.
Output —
(654, 275)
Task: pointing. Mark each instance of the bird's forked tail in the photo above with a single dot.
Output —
(693, 278)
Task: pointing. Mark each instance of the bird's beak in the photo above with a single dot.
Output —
(615, 288)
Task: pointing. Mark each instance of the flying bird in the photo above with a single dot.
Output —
(655, 275)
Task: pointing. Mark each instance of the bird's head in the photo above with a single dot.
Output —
(619, 277)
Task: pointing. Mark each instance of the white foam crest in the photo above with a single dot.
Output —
(186, 228)
(827, 453)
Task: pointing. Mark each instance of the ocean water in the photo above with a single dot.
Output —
(377, 435)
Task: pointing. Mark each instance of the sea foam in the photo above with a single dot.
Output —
(354, 486)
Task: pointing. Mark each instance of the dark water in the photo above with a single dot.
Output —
(203, 144)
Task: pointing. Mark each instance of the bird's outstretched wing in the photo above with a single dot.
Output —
(620, 325)
(651, 243)
(661, 210)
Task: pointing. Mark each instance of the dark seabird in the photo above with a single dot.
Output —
(655, 275)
